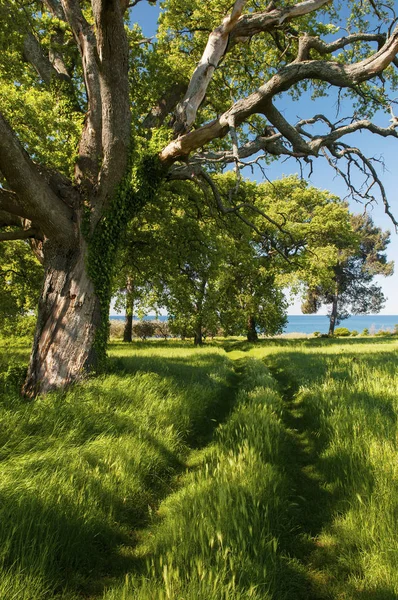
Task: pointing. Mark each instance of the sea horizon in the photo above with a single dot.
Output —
(312, 323)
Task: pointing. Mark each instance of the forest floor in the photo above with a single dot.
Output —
(229, 472)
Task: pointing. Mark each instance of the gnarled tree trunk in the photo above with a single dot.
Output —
(69, 316)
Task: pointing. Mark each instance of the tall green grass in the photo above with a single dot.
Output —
(217, 537)
(173, 478)
(346, 396)
(82, 471)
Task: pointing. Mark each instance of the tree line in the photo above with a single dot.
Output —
(215, 274)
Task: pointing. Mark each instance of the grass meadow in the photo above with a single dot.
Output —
(230, 472)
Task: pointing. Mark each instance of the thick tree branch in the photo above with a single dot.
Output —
(337, 74)
(214, 51)
(22, 234)
(164, 107)
(34, 194)
(9, 203)
(234, 27)
(307, 43)
(267, 20)
(9, 220)
(34, 54)
(90, 147)
(55, 9)
(113, 51)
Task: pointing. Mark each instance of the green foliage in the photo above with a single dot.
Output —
(382, 333)
(21, 277)
(365, 331)
(350, 288)
(354, 332)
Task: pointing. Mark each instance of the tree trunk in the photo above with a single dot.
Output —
(333, 315)
(128, 323)
(198, 335)
(251, 330)
(68, 320)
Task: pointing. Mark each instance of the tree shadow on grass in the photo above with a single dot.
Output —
(52, 538)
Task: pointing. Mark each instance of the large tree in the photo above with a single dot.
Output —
(351, 289)
(78, 69)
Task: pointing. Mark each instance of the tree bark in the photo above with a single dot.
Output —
(251, 330)
(198, 335)
(333, 315)
(128, 322)
(68, 320)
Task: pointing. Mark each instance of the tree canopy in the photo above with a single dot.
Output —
(352, 289)
(95, 117)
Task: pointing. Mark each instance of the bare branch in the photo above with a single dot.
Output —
(22, 234)
(337, 74)
(369, 171)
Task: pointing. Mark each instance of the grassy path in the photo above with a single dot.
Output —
(342, 401)
(182, 474)
(312, 504)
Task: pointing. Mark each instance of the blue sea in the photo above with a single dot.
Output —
(311, 323)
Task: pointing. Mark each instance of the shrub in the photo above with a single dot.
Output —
(365, 331)
(354, 332)
(162, 329)
(382, 333)
(144, 329)
(116, 329)
(342, 332)
(317, 334)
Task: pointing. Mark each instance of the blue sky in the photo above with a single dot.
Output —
(323, 176)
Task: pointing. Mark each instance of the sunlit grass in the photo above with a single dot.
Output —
(80, 471)
(172, 477)
(217, 536)
(347, 396)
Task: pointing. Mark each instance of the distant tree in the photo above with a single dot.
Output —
(162, 329)
(305, 227)
(352, 290)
